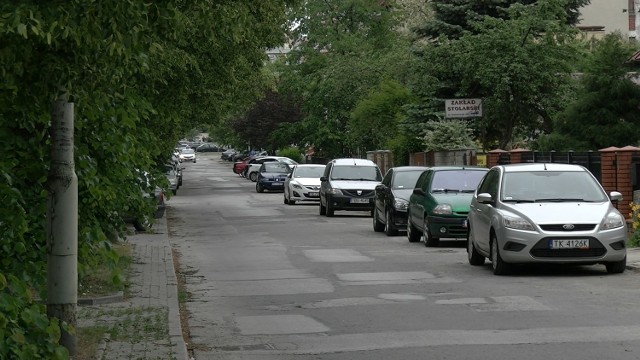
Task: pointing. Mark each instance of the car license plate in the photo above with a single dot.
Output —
(277, 184)
(314, 194)
(569, 244)
(359, 201)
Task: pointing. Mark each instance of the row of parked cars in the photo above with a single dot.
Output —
(509, 214)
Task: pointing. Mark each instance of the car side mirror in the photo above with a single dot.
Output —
(485, 198)
(615, 196)
(380, 187)
(323, 178)
(418, 191)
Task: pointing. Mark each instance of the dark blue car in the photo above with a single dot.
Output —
(272, 176)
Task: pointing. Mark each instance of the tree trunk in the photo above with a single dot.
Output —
(62, 224)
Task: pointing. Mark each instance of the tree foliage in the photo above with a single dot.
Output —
(605, 110)
(140, 75)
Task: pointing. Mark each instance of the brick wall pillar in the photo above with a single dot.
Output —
(516, 155)
(493, 156)
(616, 165)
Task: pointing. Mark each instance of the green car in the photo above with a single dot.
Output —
(439, 205)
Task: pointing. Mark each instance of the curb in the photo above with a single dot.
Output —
(99, 300)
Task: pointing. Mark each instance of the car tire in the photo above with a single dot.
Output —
(378, 226)
(259, 188)
(253, 176)
(429, 240)
(142, 225)
(499, 266)
(323, 209)
(475, 258)
(412, 232)
(292, 202)
(616, 267)
(330, 209)
(389, 229)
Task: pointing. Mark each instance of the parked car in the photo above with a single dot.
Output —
(207, 147)
(303, 183)
(391, 198)
(545, 213)
(226, 155)
(252, 170)
(187, 154)
(240, 167)
(439, 205)
(156, 198)
(348, 184)
(272, 176)
(172, 176)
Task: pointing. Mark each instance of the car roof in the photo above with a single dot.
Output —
(408, 168)
(310, 165)
(353, 161)
(542, 167)
(461, 167)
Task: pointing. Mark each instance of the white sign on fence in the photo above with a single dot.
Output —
(463, 108)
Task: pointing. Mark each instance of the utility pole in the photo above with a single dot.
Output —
(62, 224)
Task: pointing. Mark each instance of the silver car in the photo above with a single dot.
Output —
(545, 213)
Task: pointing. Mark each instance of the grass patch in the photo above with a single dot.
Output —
(88, 339)
(108, 277)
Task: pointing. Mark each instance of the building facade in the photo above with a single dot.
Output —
(602, 17)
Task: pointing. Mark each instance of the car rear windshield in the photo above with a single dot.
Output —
(309, 172)
(355, 172)
(456, 180)
(405, 179)
(554, 186)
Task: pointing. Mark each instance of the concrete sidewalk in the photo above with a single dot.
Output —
(145, 324)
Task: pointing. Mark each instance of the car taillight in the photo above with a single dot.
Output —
(161, 197)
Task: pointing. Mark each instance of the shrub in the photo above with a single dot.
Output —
(292, 153)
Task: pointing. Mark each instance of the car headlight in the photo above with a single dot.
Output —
(443, 209)
(517, 223)
(296, 186)
(400, 204)
(335, 192)
(613, 220)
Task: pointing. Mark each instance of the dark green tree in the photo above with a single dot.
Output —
(605, 110)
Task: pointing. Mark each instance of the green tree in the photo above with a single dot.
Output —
(140, 74)
(605, 110)
(519, 65)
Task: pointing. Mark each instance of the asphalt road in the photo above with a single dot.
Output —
(274, 281)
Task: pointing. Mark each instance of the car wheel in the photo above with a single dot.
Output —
(499, 266)
(253, 176)
(616, 267)
(388, 226)
(412, 233)
(475, 258)
(292, 202)
(259, 188)
(330, 208)
(142, 224)
(323, 209)
(378, 226)
(429, 240)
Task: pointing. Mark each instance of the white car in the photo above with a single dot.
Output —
(187, 154)
(253, 170)
(545, 213)
(303, 183)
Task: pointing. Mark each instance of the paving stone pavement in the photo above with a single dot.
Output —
(145, 324)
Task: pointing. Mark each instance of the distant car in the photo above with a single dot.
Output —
(142, 222)
(172, 176)
(226, 155)
(303, 183)
(207, 147)
(439, 205)
(251, 172)
(348, 184)
(187, 154)
(545, 213)
(392, 198)
(272, 176)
